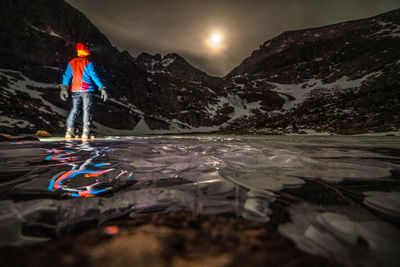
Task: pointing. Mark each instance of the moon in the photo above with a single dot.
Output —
(215, 41)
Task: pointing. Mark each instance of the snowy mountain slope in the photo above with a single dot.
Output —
(325, 76)
(339, 78)
(37, 43)
(22, 108)
(176, 65)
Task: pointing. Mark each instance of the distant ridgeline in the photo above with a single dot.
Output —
(342, 78)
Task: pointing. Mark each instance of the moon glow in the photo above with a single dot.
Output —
(215, 41)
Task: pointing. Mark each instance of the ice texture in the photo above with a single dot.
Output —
(48, 188)
(351, 237)
(385, 202)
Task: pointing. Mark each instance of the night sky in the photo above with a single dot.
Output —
(238, 26)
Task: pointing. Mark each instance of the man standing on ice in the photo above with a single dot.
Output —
(84, 76)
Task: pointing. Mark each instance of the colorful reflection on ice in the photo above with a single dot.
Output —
(83, 191)
(85, 178)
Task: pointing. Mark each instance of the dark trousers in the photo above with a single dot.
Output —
(80, 100)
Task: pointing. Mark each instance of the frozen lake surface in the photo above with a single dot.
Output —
(337, 196)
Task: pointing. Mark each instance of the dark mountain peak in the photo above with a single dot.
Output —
(157, 56)
(151, 62)
(172, 64)
(145, 59)
(38, 39)
(171, 55)
(143, 56)
(392, 15)
(158, 61)
(330, 51)
(175, 56)
(45, 32)
(331, 77)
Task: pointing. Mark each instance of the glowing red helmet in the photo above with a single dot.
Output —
(82, 50)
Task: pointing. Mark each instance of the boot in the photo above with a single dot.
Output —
(85, 132)
(69, 132)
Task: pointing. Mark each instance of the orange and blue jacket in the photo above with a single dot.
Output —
(83, 75)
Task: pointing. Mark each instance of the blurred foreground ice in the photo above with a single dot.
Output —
(45, 185)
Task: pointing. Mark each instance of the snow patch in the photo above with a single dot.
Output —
(302, 90)
(49, 32)
(287, 105)
(142, 127)
(11, 122)
(23, 86)
(241, 107)
(167, 61)
(389, 30)
(51, 67)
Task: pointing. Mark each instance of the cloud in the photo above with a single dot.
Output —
(159, 26)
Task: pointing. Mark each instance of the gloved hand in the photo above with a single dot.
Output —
(104, 94)
(63, 92)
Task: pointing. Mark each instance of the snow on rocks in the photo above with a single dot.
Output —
(11, 122)
(167, 61)
(389, 29)
(302, 90)
(48, 31)
(142, 127)
(241, 106)
(25, 84)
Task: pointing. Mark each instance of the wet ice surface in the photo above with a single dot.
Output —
(342, 193)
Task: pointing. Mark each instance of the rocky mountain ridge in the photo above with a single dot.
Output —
(340, 78)
(36, 45)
